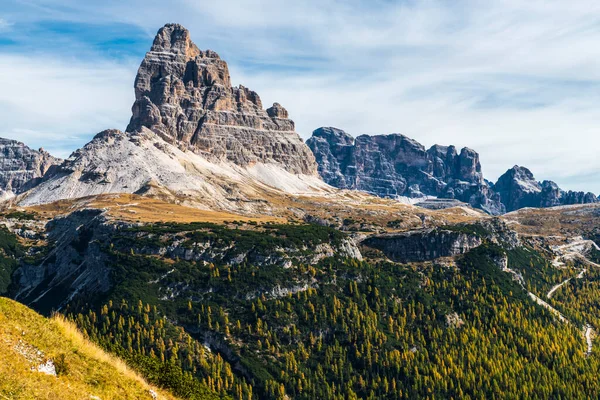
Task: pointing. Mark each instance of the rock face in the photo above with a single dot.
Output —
(185, 95)
(395, 165)
(192, 138)
(21, 167)
(450, 241)
(518, 188)
(423, 245)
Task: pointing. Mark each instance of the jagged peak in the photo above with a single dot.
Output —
(333, 135)
(175, 38)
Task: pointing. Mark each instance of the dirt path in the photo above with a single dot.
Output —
(549, 307)
(555, 287)
(588, 331)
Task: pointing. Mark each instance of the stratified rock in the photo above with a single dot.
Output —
(423, 245)
(448, 241)
(192, 138)
(518, 188)
(185, 95)
(395, 165)
(142, 162)
(21, 167)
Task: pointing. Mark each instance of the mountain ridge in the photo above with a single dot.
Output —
(394, 165)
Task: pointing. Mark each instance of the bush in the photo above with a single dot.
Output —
(60, 365)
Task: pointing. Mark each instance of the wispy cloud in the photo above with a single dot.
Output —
(5, 25)
(518, 81)
(59, 104)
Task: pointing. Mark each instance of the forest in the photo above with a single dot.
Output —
(349, 329)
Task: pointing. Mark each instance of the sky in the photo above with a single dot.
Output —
(518, 81)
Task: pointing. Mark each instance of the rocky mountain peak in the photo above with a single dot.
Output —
(185, 95)
(333, 136)
(192, 137)
(518, 188)
(174, 38)
(395, 165)
(22, 167)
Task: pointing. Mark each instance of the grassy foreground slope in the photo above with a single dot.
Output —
(82, 370)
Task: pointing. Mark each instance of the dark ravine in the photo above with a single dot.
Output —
(395, 165)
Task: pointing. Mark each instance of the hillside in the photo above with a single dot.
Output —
(389, 303)
(48, 358)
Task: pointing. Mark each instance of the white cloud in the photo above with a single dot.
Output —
(518, 81)
(60, 104)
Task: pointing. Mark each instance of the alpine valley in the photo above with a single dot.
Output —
(215, 255)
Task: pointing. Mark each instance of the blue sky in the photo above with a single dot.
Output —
(517, 81)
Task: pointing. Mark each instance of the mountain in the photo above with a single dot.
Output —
(395, 165)
(49, 358)
(192, 138)
(185, 95)
(518, 188)
(22, 167)
(276, 285)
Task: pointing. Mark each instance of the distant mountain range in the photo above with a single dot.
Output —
(395, 165)
(194, 138)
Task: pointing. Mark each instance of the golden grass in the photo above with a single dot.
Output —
(131, 207)
(559, 221)
(91, 371)
(339, 205)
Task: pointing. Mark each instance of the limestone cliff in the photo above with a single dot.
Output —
(22, 167)
(395, 165)
(185, 95)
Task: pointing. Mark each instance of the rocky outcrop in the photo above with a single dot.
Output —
(518, 188)
(185, 95)
(423, 245)
(395, 165)
(448, 241)
(22, 167)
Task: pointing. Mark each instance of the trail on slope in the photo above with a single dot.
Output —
(574, 249)
(556, 287)
(588, 330)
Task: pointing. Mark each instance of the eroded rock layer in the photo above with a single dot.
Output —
(21, 167)
(395, 165)
(185, 95)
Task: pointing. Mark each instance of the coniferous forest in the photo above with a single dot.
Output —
(367, 329)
